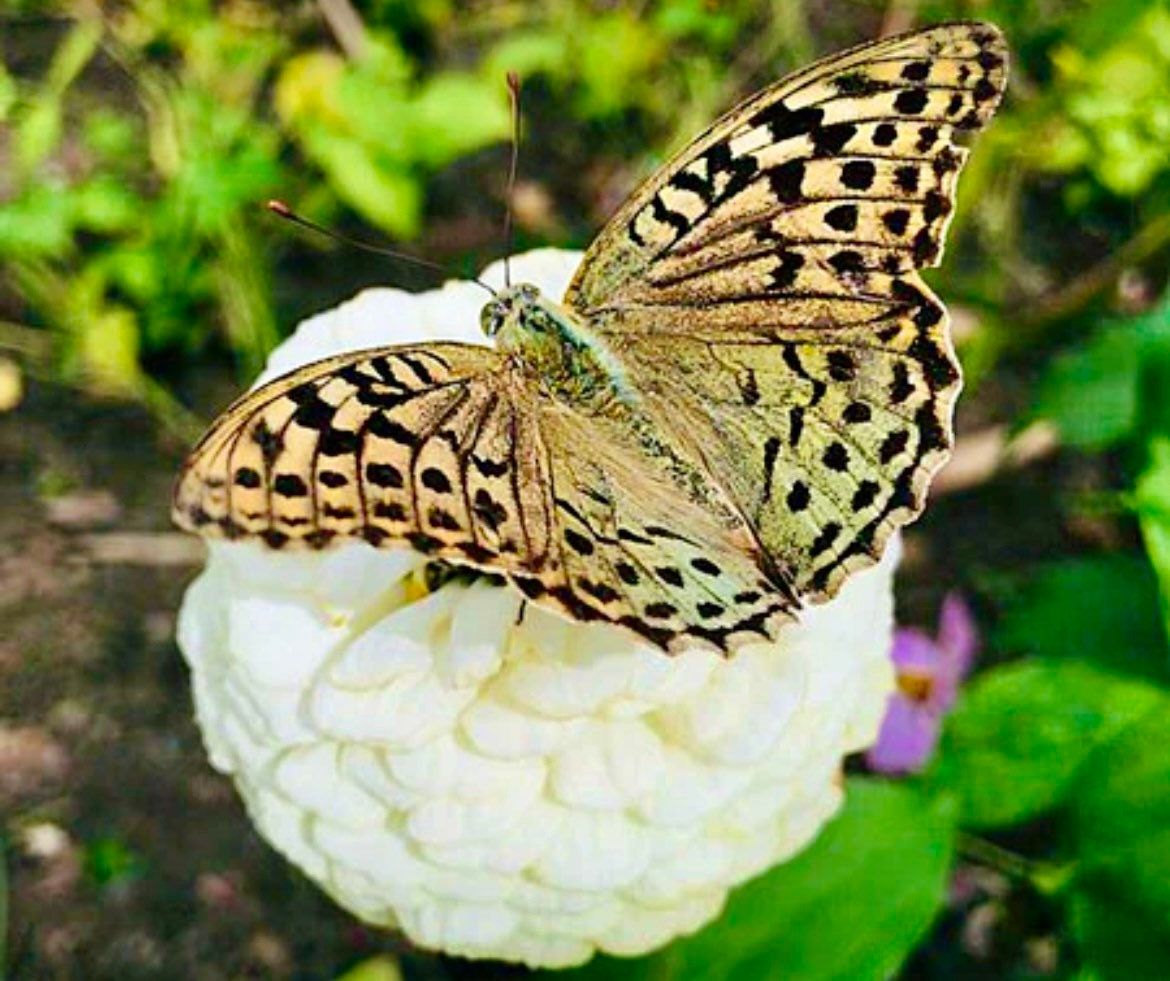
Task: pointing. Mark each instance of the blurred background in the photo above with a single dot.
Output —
(142, 284)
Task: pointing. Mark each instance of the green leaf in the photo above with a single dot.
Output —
(38, 132)
(1117, 938)
(613, 58)
(1102, 609)
(1153, 506)
(527, 53)
(380, 968)
(456, 113)
(37, 223)
(1121, 814)
(388, 198)
(1020, 733)
(108, 347)
(104, 204)
(8, 93)
(1095, 393)
(110, 134)
(1092, 394)
(109, 861)
(852, 906)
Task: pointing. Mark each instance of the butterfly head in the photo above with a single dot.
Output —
(508, 308)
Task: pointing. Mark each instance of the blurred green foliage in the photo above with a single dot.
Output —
(109, 861)
(143, 136)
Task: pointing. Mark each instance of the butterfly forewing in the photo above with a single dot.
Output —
(872, 126)
(773, 265)
(421, 446)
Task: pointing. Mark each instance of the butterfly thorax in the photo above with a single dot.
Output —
(556, 348)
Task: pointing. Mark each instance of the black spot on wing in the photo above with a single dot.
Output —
(578, 543)
(858, 175)
(911, 101)
(784, 123)
(434, 479)
(831, 140)
(247, 477)
(290, 485)
(842, 218)
(786, 180)
(383, 475)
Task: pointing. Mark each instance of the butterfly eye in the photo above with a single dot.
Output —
(491, 318)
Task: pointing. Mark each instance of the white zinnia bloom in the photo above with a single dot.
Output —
(532, 791)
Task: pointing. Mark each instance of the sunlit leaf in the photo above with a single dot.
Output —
(37, 223)
(1117, 97)
(528, 52)
(106, 205)
(387, 198)
(612, 54)
(38, 132)
(108, 346)
(380, 968)
(7, 93)
(456, 113)
(307, 85)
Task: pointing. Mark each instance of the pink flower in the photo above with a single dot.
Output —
(929, 671)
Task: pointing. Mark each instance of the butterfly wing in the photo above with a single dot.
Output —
(872, 128)
(445, 448)
(772, 265)
(648, 545)
(414, 445)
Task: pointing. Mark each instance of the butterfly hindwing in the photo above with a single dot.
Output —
(825, 448)
(677, 567)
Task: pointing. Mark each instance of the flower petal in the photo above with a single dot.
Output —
(907, 739)
(915, 652)
(958, 639)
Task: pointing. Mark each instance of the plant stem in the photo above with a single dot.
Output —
(346, 26)
(1044, 877)
(983, 852)
(1080, 291)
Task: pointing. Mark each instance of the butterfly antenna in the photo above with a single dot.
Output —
(282, 210)
(514, 103)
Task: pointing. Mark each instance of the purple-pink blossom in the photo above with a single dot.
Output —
(929, 671)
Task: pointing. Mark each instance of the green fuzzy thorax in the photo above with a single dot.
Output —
(556, 348)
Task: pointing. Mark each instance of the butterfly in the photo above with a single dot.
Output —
(745, 390)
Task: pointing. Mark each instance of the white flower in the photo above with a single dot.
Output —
(532, 791)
